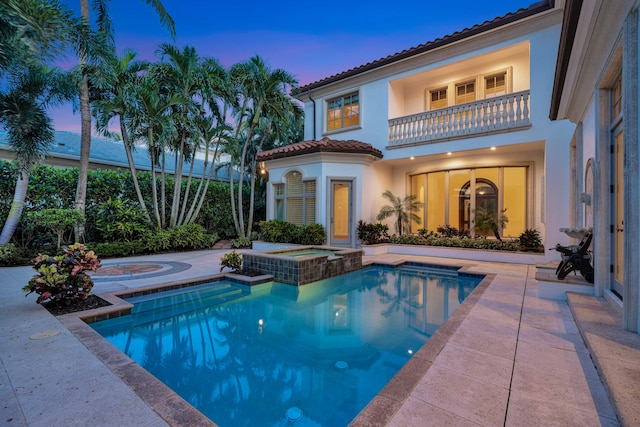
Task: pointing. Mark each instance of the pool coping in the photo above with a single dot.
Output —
(176, 411)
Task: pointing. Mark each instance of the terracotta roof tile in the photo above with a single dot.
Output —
(522, 13)
(323, 145)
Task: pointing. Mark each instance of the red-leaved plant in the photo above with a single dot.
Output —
(63, 278)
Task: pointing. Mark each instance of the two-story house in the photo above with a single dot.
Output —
(460, 122)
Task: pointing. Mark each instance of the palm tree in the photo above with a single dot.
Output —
(182, 74)
(116, 80)
(105, 30)
(150, 120)
(33, 30)
(403, 209)
(23, 113)
(263, 93)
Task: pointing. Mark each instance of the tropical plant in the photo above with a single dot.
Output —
(119, 220)
(33, 31)
(63, 278)
(240, 243)
(232, 260)
(311, 234)
(86, 40)
(530, 240)
(57, 220)
(23, 112)
(371, 234)
(115, 79)
(404, 210)
(263, 100)
(486, 221)
(10, 255)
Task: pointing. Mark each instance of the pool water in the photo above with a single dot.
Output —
(275, 354)
(306, 252)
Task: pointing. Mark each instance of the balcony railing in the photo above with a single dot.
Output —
(499, 114)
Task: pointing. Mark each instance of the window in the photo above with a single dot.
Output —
(438, 98)
(495, 85)
(295, 200)
(343, 112)
(465, 92)
(452, 196)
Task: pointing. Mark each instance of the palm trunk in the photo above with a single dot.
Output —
(194, 215)
(177, 181)
(187, 190)
(154, 185)
(241, 179)
(132, 168)
(253, 182)
(163, 187)
(85, 132)
(17, 205)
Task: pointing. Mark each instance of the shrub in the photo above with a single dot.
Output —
(312, 234)
(232, 260)
(407, 239)
(530, 241)
(240, 243)
(191, 236)
(157, 241)
(371, 234)
(57, 220)
(119, 220)
(63, 278)
(448, 231)
(119, 249)
(10, 255)
(277, 231)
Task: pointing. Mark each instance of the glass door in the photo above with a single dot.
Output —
(618, 207)
(341, 213)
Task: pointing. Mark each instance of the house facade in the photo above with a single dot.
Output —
(596, 88)
(461, 122)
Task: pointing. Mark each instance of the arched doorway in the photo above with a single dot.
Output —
(486, 199)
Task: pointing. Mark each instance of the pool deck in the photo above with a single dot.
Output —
(506, 357)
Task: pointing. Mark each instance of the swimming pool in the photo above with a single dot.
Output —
(274, 354)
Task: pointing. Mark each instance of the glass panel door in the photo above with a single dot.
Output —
(341, 215)
(618, 207)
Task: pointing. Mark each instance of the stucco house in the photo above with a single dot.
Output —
(596, 88)
(461, 122)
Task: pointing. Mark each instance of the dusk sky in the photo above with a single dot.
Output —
(311, 40)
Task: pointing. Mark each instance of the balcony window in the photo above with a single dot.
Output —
(465, 92)
(495, 85)
(438, 98)
(343, 112)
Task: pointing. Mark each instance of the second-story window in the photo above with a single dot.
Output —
(465, 92)
(343, 112)
(495, 85)
(438, 98)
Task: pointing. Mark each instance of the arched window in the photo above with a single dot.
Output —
(295, 199)
(486, 199)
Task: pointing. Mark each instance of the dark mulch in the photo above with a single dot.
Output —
(91, 302)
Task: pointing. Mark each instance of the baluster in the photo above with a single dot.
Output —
(504, 104)
(526, 108)
(519, 111)
(511, 104)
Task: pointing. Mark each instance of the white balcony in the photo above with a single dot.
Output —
(500, 114)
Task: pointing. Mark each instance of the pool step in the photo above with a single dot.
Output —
(162, 308)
